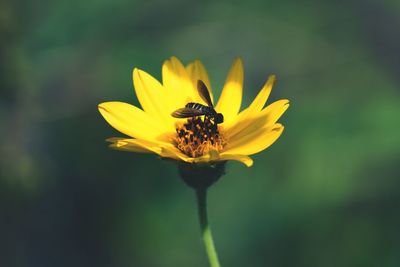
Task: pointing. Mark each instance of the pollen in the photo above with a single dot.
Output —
(198, 136)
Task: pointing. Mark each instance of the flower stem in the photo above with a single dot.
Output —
(205, 228)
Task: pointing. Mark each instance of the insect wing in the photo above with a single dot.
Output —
(203, 92)
(186, 113)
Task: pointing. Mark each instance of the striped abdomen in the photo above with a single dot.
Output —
(208, 111)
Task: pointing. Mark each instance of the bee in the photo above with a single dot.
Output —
(196, 109)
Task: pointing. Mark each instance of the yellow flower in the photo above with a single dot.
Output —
(152, 129)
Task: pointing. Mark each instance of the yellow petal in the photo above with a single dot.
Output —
(231, 96)
(260, 100)
(130, 120)
(197, 72)
(257, 104)
(168, 151)
(248, 124)
(178, 83)
(119, 144)
(137, 145)
(174, 153)
(262, 97)
(162, 149)
(255, 141)
(212, 155)
(241, 158)
(215, 156)
(152, 97)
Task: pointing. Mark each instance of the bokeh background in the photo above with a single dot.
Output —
(326, 194)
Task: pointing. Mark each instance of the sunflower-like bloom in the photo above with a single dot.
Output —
(199, 139)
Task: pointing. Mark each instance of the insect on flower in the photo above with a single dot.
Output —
(211, 134)
(196, 109)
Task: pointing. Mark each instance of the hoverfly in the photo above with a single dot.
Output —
(196, 109)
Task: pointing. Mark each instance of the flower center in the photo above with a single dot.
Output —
(198, 136)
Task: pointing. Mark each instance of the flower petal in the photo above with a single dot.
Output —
(212, 155)
(231, 96)
(257, 104)
(215, 156)
(196, 72)
(121, 144)
(248, 124)
(162, 149)
(167, 151)
(152, 97)
(262, 97)
(242, 158)
(255, 141)
(178, 83)
(130, 120)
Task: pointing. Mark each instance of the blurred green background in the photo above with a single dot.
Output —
(326, 194)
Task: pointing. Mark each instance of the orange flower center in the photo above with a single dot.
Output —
(198, 136)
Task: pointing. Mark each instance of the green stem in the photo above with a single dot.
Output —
(205, 228)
